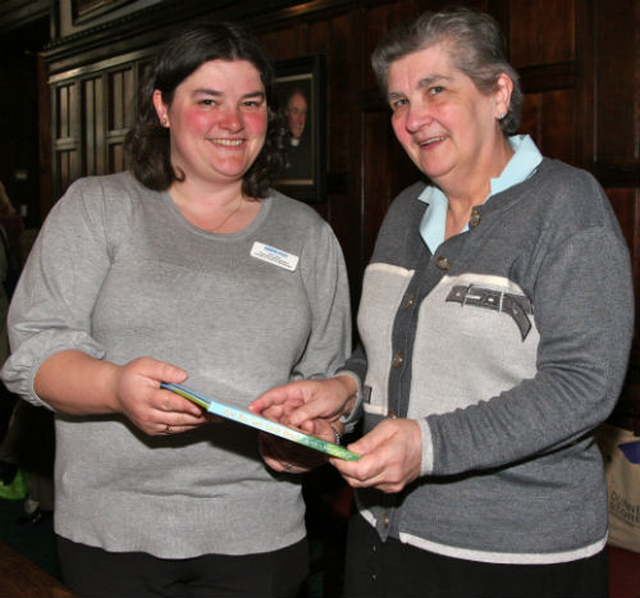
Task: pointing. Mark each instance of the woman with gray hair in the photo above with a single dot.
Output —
(496, 321)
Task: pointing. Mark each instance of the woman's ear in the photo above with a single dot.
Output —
(504, 88)
(162, 110)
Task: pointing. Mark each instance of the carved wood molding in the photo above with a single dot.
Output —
(150, 26)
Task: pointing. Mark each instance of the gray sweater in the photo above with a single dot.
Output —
(118, 273)
(508, 346)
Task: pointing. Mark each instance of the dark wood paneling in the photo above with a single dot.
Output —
(92, 126)
(618, 78)
(545, 32)
(626, 204)
(550, 120)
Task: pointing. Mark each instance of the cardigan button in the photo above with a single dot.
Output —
(398, 360)
(475, 217)
(443, 263)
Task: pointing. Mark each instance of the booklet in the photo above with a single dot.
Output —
(247, 418)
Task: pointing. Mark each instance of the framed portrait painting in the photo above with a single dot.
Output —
(300, 86)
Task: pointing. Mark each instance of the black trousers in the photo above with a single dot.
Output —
(90, 571)
(393, 569)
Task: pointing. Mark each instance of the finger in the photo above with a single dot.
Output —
(306, 412)
(168, 430)
(274, 413)
(374, 439)
(158, 371)
(170, 401)
(174, 421)
(276, 396)
(359, 471)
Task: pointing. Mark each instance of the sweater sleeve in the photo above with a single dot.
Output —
(583, 302)
(325, 276)
(53, 302)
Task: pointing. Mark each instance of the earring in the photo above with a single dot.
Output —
(500, 115)
(165, 121)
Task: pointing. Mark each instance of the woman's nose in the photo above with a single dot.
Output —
(416, 116)
(232, 120)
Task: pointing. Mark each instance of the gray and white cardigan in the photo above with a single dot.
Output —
(508, 347)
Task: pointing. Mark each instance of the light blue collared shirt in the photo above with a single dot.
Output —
(520, 167)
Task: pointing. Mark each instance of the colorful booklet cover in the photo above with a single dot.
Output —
(247, 418)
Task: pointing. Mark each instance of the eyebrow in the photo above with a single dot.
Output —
(216, 93)
(431, 79)
(424, 82)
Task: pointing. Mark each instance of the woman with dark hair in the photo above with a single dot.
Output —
(148, 143)
(189, 265)
(496, 322)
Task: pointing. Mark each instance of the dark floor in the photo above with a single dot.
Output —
(35, 541)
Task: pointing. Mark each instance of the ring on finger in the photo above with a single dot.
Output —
(168, 429)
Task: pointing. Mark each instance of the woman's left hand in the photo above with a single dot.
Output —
(287, 456)
(391, 456)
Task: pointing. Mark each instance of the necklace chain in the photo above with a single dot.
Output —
(227, 217)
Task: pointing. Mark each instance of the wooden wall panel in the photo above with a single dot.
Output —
(68, 166)
(378, 21)
(545, 32)
(121, 85)
(65, 102)
(66, 142)
(121, 105)
(343, 134)
(93, 126)
(549, 118)
(618, 80)
(115, 157)
(282, 43)
(377, 169)
(626, 204)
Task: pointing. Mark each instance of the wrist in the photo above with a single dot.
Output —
(351, 389)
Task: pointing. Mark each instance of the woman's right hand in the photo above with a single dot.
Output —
(75, 383)
(152, 409)
(300, 404)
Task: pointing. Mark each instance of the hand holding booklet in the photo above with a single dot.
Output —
(247, 418)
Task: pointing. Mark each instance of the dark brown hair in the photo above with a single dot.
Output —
(147, 145)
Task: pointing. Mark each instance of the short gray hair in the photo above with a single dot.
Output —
(476, 46)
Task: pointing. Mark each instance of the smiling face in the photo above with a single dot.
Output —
(218, 121)
(447, 127)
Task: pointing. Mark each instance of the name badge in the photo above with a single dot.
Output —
(274, 256)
